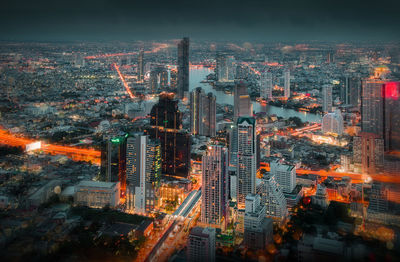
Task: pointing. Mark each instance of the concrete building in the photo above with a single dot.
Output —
(143, 173)
(247, 154)
(286, 88)
(214, 197)
(285, 175)
(183, 67)
(202, 113)
(333, 123)
(266, 85)
(242, 102)
(257, 228)
(201, 245)
(225, 68)
(273, 198)
(97, 194)
(327, 98)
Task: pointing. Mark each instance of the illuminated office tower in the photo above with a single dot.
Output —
(242, 102)
(327, 98)
(202, 113)
(113, 161)
(273, 198)
(143, 171)
(246, 162)
(214, 197)
(141, 65)
(183, 67)
(257, 228)
(266, 85)
(286, 88)
(166, 126)
(284, 174)
(201, 245)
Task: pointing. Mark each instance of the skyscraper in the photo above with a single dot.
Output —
(165, 124)
(246, 163)
(286, 89)
(285, 175)
(273, 198)
(266, 85)
(257, 228)
(242, 102)
(202, 113)
(350, 91)
(141, 65)
(380, 121)
(201, 245)
(113, 161)
(214, 198)
(327, 98)
(183, 67)
(173, 79)
(143, 171)
(225, 68)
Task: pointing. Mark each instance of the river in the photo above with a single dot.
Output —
(199, 74)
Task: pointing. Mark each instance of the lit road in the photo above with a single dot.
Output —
(128, 89)
(163, 245)
(75, 153)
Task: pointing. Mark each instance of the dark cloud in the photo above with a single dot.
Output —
(207, 19)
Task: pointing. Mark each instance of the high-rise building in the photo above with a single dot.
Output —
(158, 79)
(233, 145)
(175, 143)
(333, 123)
(143, 171)
(141, 66)
(327, 98)
(173, 79)
(225, 68)
(202, 113)
(242, 102)
(285, 175)
(247, 162)
(183, 67)
(384, 202)
(286, 88)
(273, 198)
(201, 245)
(113, 161)
(350, 91)
(380, 121)
(214, 197)
(257, 228)
(266, 85)
(372, 148)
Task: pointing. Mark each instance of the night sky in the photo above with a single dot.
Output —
(261, 20)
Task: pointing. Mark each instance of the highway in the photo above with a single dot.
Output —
(75, 153)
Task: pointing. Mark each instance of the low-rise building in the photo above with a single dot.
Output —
(97, 194)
